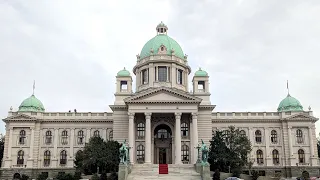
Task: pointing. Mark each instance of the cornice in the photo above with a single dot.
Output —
(118, 107)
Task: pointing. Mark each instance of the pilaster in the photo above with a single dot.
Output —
(55, 148)
(72, 144)
(148, 139)
(177, 139)
(194, 137)
(131, 137)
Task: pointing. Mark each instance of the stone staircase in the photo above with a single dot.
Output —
(151, 172)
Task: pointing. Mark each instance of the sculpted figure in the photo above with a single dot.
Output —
(123, 153)
(204, 150)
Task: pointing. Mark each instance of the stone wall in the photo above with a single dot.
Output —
(7, 174)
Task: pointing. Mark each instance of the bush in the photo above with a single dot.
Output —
(113, 176)
(255, 175)
(103, 176)
(77, 175)
(42, 176)
(24, 177)
(216, 175)
(64, 177)
(95, 177)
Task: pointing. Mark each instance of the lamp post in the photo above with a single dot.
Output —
(198, 148)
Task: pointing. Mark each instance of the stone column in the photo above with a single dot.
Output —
(148, 139)
(88, 134)
(131, 136)
(56, 141)
(194, 136)
(177, 139)
(72, 143)
(290, 144)
(31, 143)
(311, 142)
(10, 142)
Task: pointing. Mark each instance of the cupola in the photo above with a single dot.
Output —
(31, 104)
(289, 104)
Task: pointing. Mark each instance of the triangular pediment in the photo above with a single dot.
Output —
(163, 94)
(301, 116)
(20, 117)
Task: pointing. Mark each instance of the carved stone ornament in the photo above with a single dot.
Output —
(163, 118)
(194, 115)
(130, 114)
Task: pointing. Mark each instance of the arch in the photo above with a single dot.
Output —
(22, 137)
(163, 123)
(20, 157)
(63, 157)
(162, 131)
(140, 153)
(46, 158)
(259, 154)
(48, 139)
(274, 136)
(64, 137)
(301, 156)
(275, 157)
(299, 135)
(80, 137)
(243, 133)
(96, 133)
(16, 176)
(258, 135)
(185, 154)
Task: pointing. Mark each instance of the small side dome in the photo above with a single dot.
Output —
(201, 72)
(123, 72)
(31, 104)
(289, 104)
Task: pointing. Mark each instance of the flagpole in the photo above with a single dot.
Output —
(34, 86)
(288, 87)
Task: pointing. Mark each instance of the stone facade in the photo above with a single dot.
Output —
(162, 123)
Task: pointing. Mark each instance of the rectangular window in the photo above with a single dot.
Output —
(162, 74)
(179, 76)
(201, 86)
(145, 78)
(123, 86)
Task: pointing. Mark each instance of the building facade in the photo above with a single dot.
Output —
(161, 120)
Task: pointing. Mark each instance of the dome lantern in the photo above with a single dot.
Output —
(162, 28)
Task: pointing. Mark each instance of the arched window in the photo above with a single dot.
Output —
(185, 154)
(275, 156)
(301, 156)
(64, 137)
(259, 157)
(140, 129)
(46, 158)
(299, 135)
(63, 157)
(184, 130)
(96, 133)
(258, 136)
(163, 134)
(110, 135)
(22, 137)
(242, 133)
(20, 158)
(80, 137)
(140, 153)
(48, 139)
(274, 136)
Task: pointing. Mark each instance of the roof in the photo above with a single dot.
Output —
(289, 104)
(31, 104)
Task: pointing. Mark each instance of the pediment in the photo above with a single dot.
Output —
(301, 116)
(20, 117)
(163, 95)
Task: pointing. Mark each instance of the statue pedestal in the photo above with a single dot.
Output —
(123, 172)
(205, 171)
(198, 167)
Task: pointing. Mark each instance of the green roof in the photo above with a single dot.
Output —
(123, 72)
(289, 104)
(159, 40)
(31, 104)
(200, 72)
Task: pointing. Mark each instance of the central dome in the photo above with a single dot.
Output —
(289, 104)
(161, 39)
(31, 104)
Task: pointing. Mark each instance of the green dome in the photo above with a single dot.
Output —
(161, 39)
(31, 104)
(290, 104)
(123, 72)
(200, 72)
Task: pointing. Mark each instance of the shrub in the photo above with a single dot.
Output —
(216, 175)
(42, 176)
(24, 177)
(95, 177)
(113, 176)
(103, 176)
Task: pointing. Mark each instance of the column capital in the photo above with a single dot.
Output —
(194, 115)
(131, 114)
(31, 128)
(178, 114)
(147, 114)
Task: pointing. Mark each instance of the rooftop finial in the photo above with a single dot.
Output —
(34, 86)
(288, 87)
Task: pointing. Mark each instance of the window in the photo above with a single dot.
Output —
(145, 76)
(274, 136)
(184, 129)
(226, 135)
(110, 135)
(80, 137)
(123, 86)
(179, 76)
(185, 154)
(140, 153)
(162, 74)
(258, 136)
(259, 157)
(163, 134)
(46, 158)
(275, 156)
(301, 156)
(48, 139)
(20, 158)
(96, 133)
(140, 129)
(22, 137)
(64, 137)
(299, 135)
(242, 133)
(201, 86)
(63, 157)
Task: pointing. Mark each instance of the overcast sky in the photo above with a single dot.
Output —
(73, 49)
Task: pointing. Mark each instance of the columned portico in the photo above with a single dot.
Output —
(177, 139)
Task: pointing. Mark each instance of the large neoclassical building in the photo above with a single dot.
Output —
(161, 120)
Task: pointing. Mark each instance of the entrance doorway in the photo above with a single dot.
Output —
(162, 156)
(162, 144)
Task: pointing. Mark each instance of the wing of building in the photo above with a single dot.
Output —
(161, 120)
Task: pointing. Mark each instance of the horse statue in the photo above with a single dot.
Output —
(204, 150)
(123, 153)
